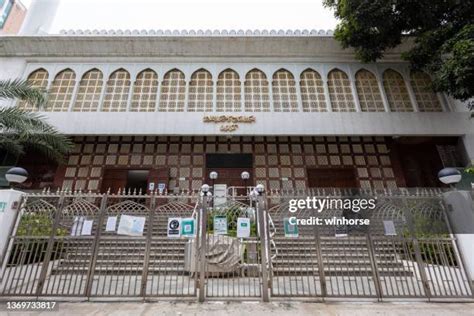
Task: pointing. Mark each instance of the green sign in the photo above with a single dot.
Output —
(291, 230)
(220, 225)
(3, 206)
(188, 227)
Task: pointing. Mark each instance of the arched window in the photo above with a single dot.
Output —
(60, 93)
(145, 92)
(228, 92)
(340, 92)
(89, 91)
(312, 92)
(396, 91)
(173, 90)
(425, 96)
(368, 91)
(201, 92)
(284, 92)
(37, 79)
(257, 97)
(117, 90)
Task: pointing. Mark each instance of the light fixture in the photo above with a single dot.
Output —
(205, 188)
(260, 188)
(245, 175)
(213, 175)
(449, 176)
(16, 175)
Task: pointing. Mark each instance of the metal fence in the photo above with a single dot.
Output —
(416, 258)
(68, 244)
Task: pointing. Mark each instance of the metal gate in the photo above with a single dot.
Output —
(64, 246)
(232, 264)
(420, 260)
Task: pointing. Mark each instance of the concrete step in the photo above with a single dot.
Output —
(334, 271)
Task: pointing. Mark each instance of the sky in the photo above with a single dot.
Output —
(187, 14)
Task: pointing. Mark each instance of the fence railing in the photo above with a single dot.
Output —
(72, 244)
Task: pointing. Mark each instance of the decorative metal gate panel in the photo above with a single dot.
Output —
(232, 265)
(28, 248)
(169, 274)
(421, 260)
(62, 247)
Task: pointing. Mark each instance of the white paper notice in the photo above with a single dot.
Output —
(77, 226)
(131, 225)
(389, 228)
(87, 228)
(243, 227)
(111, 224)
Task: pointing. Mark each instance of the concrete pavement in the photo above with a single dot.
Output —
(255, 309)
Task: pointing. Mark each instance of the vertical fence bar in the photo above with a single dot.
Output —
(322, 275)
(149, 236)
(416, 247)
(265, 257)
(95, 248)
(421, 267)
(374, 266)
(202, 247)
(49, 247)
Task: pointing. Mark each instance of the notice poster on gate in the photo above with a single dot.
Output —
(389, 228)
(131, 225)
(174, 227)
(220, 225)
(188, 227)
(243, 227)
(77, 225)
(291, 230)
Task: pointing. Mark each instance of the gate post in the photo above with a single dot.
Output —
(95, 247)
(264, 242)
(322, 275)
(202, 246)
(49, 247)
(416, 248)
(374, 265)
(12, 201)
(149, 236)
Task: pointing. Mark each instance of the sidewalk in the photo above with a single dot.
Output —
(257, 309)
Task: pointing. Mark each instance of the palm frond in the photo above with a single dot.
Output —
(23, 90)
(10, 144)
(13, 118)
(50, 143)
(29, 130)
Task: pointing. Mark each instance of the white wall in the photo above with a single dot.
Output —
(11, 68)
(8, 217)
(271, 123)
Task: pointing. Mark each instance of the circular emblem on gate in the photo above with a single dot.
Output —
(174, 224)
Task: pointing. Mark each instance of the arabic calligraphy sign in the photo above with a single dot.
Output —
(230, 121)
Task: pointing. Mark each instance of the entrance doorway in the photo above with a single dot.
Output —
(115, 179)
(229, 168)
(332, 178)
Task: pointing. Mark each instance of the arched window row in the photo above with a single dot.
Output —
(227, 93)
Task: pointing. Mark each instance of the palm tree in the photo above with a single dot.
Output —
(20, 130)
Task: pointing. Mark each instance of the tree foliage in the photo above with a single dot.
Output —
(442, 32)
(20, 130)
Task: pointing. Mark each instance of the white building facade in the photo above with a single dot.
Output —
(291, 107)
